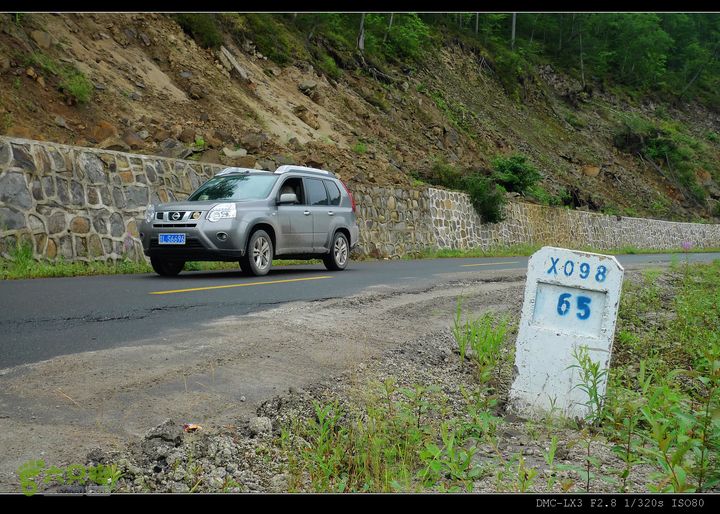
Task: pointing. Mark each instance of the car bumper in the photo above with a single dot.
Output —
(202, 242)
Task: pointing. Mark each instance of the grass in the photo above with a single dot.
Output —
(664, 388)
(72, 81)
(22, 265)
(527, 250)
(659, 413)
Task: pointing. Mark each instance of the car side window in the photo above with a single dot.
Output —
(333, 192)
(293, 185)
(316, 192)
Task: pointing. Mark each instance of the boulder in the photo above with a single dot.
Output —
(231, 64)
(211, 156)
(133, 140)
(254, 140)
(234, 154)
(103, 130)
(591, 171)
(259, 426)
(174, 149)
(187, 135)
(114, 143)
(41, 38)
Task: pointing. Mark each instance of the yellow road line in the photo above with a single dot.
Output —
(489, 264)
(241, 285)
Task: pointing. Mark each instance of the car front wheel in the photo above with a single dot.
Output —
(166, 268)
(258, 257)
(339, 254)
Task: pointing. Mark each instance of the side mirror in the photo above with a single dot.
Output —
(288, 198)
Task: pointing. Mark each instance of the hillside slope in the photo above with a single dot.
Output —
(138, 82)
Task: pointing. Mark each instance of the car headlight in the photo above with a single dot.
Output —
(150, 213)
(222, 211)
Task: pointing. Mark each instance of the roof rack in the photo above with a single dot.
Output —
(286, 168)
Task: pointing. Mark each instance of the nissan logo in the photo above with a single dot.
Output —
(175, 216)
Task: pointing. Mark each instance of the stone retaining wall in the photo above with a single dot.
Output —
(83, 204)
(458, 226)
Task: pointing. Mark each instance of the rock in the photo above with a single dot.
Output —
(185, 74)
(232, 65)
(187, 135)
(145, 39)
(222, 135)
(135, 95)
(168, 431)
(591, 171)
(103, 130)
(137, 196)
(307, 88)
(14, 191)
(174, 148)
(704, 176)
(51, 251)
(249, 161)
(266, 164)
(211, 156)
(11, 219)
(260, 426)
(114, 143)
(213, 142)
(30, 72)
(143, 134)
(56, 223)
(304, 114)
(234, 154)
(41, 38)
(80, 225)
(133, 140)
(4, 63)
(254, 140)
(204, 116)
(40, 81)
(281, 160)
(162, 135)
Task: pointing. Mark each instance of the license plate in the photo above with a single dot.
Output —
(171, 239)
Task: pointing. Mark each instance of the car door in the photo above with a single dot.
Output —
(318, 205)
(295, 220)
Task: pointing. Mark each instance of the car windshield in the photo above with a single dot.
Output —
(235, 187)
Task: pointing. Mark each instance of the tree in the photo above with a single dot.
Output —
(361, 35)
(512, 40)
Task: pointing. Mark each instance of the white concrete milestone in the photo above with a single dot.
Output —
(571, 301)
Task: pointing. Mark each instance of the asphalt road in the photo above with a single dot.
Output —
(43, 318)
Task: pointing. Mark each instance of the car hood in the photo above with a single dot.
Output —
(207, 205)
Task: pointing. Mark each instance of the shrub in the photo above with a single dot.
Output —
(486, 196)
(72, 81)
(78, 86)
(514, 173)
(202, 27)
(444, 174)
(359, 148)
(328, 66)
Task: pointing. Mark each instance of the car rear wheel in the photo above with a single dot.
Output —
(165, 267)
(258, 257)
(339, 254)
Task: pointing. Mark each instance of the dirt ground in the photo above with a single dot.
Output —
(61, 409)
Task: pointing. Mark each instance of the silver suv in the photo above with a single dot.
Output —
(252, 217)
